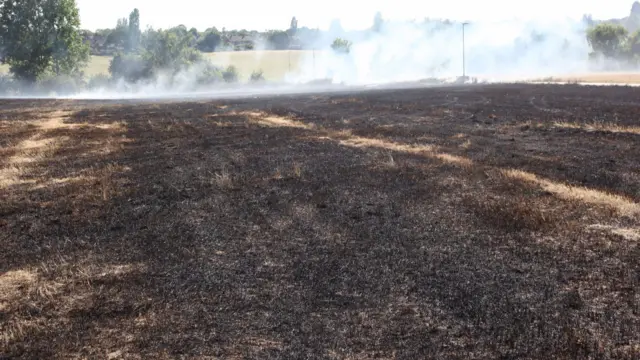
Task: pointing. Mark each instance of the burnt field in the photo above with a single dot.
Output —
(461, 223)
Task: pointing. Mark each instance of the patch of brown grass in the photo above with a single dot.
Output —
(268, 120)
(37, 299)
(511, 213)
(631, 234)
(604, 127)
(345, 137)
(41, 147)
(620, 204)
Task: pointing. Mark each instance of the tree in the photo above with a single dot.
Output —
(134, 33)
(633, 44)
(195, 35)
(37, 36)
(119, 36)
(170, 49)
(293, 28)
(194, 32)
(377, 22)
(129, 67)
(279, 40)
(180, 29)
(341, 46)
(209, 40)
(608, 39)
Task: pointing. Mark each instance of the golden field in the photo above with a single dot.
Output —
(597, 78)
(274, 64)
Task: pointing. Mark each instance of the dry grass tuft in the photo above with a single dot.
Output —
(297, 169)
(277, 174)
(454, 160)
(223, 179)
(391, 162)
(465, 145)
(270, 120)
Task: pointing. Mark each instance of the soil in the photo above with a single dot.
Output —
(478, 222)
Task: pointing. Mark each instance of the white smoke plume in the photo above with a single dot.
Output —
(400, 51)
(406, 51)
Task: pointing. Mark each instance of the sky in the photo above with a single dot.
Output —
(261, 15)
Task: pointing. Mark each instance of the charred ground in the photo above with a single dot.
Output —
(480, 222)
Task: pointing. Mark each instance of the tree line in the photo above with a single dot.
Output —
(112, 40)
(43, 39)
(614, 41)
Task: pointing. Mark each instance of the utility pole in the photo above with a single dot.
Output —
(464, 70)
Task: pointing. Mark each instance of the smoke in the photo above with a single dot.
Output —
(396, 51)
(406, 51)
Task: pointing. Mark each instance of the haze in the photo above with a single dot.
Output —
(261, 15)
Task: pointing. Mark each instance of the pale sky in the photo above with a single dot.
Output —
(261, 14)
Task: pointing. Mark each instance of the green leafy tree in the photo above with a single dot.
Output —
(230, 74)
(161, 50)
(170, 49)
(257, 76)
(194, 32)
(129, 67)
(633, 44)
(209, 40)
(209, 74)
(341, 46)
(40, 36)
(278, 40)
(195, 35)
(293, 27)
(134, 33)
(608, 39)
(119, 36)
(180, 30)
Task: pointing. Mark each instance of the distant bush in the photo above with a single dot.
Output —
(208, 74)
(278, 40)
(209, 41)
(98, 81)
(256, 76)
(230, 74)
(131, 68)
(62, 84)
(341, 46)
(7, 84)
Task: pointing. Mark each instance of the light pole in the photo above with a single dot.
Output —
(464, 71)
